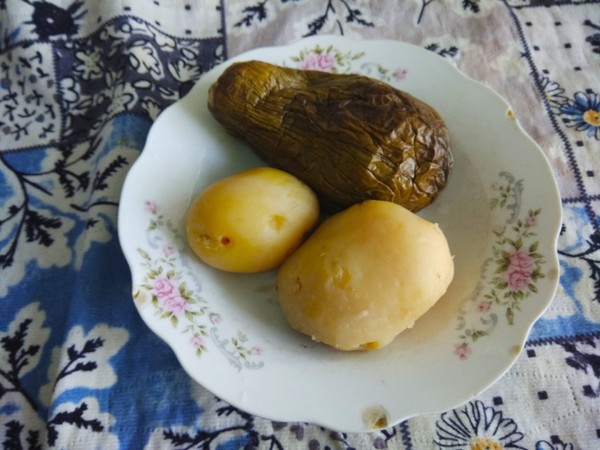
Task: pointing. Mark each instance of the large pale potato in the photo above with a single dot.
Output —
(364, 276)
(251, 221)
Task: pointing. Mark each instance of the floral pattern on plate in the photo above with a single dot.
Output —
(333, 60)
(510, 274)
(166, 283)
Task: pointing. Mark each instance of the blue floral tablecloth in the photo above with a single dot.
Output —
(80, 85)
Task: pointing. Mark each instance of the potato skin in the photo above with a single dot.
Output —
(250, 221)
(365, 275)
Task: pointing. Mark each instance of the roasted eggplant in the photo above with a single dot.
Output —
(349, 137)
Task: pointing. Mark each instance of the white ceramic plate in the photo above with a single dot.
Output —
(500, 211)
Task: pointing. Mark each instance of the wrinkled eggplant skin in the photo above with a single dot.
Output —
(349, 137)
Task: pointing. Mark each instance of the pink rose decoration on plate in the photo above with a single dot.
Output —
(520, 259)
(151, 206)
(197, 341)
(163, 287)
(517, 280)
(462, 350)
(173, 291)
(318, 61)
(484, 306)
(520, 268)
(168, 295)
(515, 267)
(176, 304)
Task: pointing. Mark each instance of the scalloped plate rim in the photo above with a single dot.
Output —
(183, 353)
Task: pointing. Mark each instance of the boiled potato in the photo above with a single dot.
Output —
(251, 221)
(365, 275)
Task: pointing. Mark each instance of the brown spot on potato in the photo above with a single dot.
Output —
(340, 275)
(297, 285)
(277, 221)
(373, 345)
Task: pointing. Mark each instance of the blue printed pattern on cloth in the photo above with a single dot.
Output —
(79, 88)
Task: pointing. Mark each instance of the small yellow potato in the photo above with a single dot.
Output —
(251, 221)
(365, 275)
